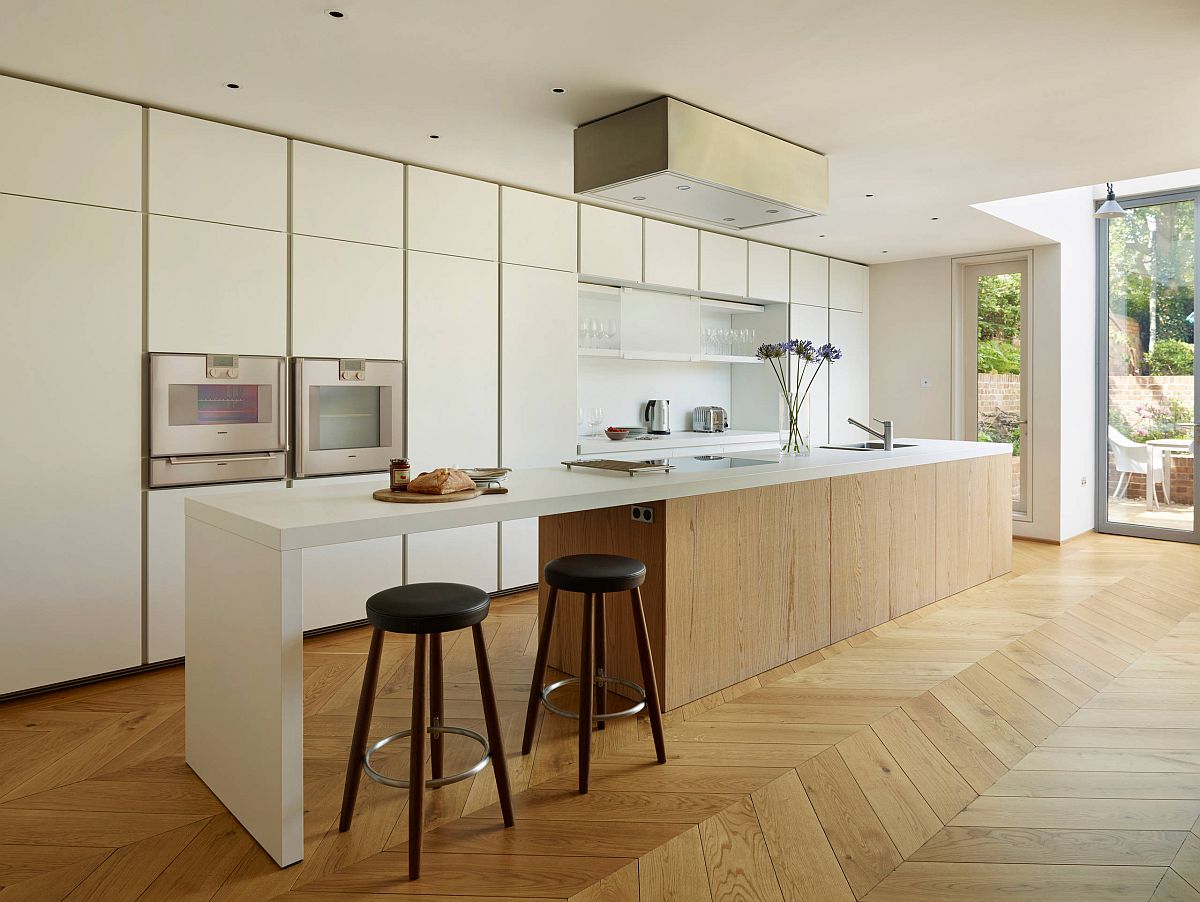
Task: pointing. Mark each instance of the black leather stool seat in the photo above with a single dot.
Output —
(595, 573)
(427, 608)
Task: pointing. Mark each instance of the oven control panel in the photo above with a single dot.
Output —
(222, 366)
(352, 370)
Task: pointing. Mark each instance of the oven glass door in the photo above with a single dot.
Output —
(193, 412)
(347, 425)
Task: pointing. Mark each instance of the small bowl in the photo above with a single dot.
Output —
(616, 434)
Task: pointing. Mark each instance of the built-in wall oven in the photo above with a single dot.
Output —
(217, 418)
(349, 415)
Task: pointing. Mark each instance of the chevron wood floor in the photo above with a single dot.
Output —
(1034, 737)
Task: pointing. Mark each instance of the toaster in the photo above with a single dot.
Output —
(710, 419)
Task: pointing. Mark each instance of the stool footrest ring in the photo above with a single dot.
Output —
(637, 707)
(429, 784)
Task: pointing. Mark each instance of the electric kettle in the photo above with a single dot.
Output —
(658, 415)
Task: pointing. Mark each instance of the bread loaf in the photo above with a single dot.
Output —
(441, 481)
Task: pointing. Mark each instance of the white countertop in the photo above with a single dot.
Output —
(682, 439)
(309, 515)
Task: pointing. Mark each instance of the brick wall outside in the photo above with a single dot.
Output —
(1000, 391)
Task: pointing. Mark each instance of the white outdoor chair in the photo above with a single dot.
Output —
(1133, 457)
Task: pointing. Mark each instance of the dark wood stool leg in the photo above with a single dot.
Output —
(437, 711)
(416, 761)
(539, 672)
(587, 673)
(601, 668)
(362, 728)
(491, 716)
(648, 680)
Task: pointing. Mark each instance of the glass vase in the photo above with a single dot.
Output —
(795, 431)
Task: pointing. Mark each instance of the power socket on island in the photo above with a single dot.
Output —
(642, 514)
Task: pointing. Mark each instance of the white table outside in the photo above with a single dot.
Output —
(1162, 450)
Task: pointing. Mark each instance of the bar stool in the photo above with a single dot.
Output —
(425, 611)
(593, 576)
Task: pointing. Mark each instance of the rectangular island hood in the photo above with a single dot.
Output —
(670, 156)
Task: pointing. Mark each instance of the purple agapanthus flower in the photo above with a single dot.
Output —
(829, 353)
(769, 351)
(805, 350)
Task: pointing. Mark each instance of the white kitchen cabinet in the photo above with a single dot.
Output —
(537, 366)
(723, 261)
(464, 555)
(538, 394)
(453, 365)
(672, 255)
(812, 323)
(519, 553)
(164, 562)
(610, 244)
(205, 170)
(849, 379)
(849, 286)
(810, 279)
(538, 230)
(338, 194)
(65, 145)
(347, 299)
(71, 533)
(216, 288)
(767, 272)
(451, 214)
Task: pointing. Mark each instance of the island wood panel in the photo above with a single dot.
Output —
(912, 561)
(609, 530)
(999, 470)
(756, 593)
(965, 506)
(859, 557)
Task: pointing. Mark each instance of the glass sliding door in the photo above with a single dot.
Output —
(996, 316)
(1147, 292)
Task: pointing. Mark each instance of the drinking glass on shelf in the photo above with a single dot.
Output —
(610, 333)
(595, 417)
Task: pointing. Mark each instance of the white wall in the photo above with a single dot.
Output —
(622, 387)
(911, 343)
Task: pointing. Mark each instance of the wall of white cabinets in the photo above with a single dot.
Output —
(251, 243)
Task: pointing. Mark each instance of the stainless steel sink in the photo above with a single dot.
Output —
(866, 446)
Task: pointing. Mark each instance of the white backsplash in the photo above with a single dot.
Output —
(622, 388)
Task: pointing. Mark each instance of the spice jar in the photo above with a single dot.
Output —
(399, 472)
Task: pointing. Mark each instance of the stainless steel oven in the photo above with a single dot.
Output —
(217, 418)
(349, 415)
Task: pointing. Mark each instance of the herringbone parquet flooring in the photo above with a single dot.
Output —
(1034, 737)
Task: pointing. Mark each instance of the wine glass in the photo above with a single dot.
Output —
(595, 417)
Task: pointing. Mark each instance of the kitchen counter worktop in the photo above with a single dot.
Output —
(603, 445)
(309, 516)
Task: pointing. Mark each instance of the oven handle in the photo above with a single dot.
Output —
(202, 459)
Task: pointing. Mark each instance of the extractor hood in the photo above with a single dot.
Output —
(672, 157)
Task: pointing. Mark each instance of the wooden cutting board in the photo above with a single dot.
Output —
(418, 498)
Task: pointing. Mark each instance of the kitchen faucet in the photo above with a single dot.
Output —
(885, 436)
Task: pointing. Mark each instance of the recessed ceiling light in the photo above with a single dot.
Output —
(883, 252)
(684, 187)
(868, 195)
(232, 85)
(559, 90)
(435, 137)
(934, 218)
(772, 211)
(730, 219)
(820, 236)
(335, 14)
(639, 197)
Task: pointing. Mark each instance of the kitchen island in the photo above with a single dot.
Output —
(749, 566)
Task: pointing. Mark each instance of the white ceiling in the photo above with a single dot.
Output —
(930, 105)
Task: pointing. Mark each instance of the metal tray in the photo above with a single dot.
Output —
(632, 467)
